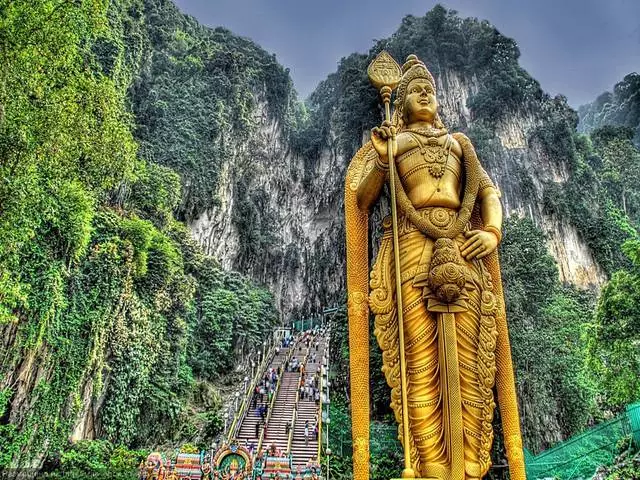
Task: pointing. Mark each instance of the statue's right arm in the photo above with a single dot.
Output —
(370, 186)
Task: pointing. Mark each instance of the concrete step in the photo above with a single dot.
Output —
(282, 409)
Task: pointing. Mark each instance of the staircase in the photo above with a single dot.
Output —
(301, 449)
(247, 430)
(282, 411)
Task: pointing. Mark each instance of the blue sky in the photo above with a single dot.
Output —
(579, 48)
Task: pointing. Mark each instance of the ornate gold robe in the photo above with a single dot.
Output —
(454, 352)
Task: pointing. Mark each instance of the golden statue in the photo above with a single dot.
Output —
(435, 288)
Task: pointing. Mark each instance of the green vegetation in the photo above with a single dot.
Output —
(618, 108)
(117, 122)
(626, 465)
(386, 453)
(96, 459)
(546, 323)
(195, 100)
(615, 333)
(600, 197)
(106, 302)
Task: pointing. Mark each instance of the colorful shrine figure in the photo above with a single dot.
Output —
(171, 472)
(206, 470)
(233, 462)
(450, 345)
(154, 467)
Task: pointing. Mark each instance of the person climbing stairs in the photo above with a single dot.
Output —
(249, 431)
(299, 390)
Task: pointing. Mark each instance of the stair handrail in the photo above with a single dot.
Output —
(294, 414)
(273, 399)
(242, 412)
(319, 414)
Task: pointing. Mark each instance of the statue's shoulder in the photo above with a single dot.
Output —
(469, 151)
(406, 142)
(461, 139)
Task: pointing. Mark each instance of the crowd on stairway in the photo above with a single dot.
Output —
(306, 432)
(297, 364)
(264, 392)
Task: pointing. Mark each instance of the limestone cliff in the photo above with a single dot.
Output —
(301, 195)
(303, 261)
(621, 107)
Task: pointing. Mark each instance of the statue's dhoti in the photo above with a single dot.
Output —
(449, 352)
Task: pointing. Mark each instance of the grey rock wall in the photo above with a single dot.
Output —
(304, 265)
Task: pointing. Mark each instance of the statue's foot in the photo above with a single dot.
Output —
(472, 471)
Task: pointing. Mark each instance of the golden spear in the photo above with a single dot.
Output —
(385, 74)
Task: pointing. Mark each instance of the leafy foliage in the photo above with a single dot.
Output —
(625, 465)
(102, 292)
(95, 459)
(600, 196)
(618, 108)
(615, 333)
(546, 322)
(197, 98)
(386, 460)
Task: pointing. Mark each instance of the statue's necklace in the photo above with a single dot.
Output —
(428, 131)
(434, 154)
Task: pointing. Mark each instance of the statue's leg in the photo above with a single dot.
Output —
(421, 349)
(476, 359)
(467, 327)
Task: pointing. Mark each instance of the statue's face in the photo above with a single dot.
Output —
(420, 104)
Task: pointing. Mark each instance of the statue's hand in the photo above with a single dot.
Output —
(380, 136)
(479, 244)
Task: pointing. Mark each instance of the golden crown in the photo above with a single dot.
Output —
(413, 68)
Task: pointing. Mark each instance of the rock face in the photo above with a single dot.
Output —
(620, 107)
(304, 263)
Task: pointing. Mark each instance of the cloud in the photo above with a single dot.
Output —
(575, 47)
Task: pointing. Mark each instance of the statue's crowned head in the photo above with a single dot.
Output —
(413, 71)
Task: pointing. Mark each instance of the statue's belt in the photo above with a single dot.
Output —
(441, 217)
(425, 276)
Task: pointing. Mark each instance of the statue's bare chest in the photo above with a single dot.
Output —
(430, 169)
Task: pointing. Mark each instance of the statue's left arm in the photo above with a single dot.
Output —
(481, 243)
(491, 210)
